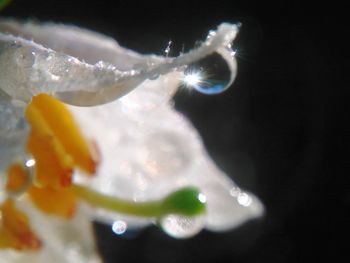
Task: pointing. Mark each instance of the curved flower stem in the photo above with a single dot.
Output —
(146, 209)
(187, 201)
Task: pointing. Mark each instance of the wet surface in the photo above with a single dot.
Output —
(280, 131)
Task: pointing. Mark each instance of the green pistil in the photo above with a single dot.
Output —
(187, 201)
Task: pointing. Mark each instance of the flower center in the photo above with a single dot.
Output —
(58, 148)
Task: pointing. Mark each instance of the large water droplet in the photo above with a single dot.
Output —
(211, 75)
(181, 226)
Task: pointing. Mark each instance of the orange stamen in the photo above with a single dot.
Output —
(53, 167)
(56, 143)
(15, 231)
(63, 126)
(17, 178)
(57, 202)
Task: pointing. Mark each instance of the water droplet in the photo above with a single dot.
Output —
(235, 191)
(244, 199)
(211, 75)
(181, 226)
(29, 163)
(211, 34)
(119, 227)
(24, 57)
(167, 49)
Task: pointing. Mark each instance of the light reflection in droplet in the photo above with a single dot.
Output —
(235, 191)
(30, 163)
(202, 198)
(210, 75)
(181, 226)
(119, 227)
(244, 199)
(193, 78)
(211, 34)
(167, 49)
(233, 53)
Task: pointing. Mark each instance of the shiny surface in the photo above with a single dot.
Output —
(285, 130)
(211, 75)
(28, 66)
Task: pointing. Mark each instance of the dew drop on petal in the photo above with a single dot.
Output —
(119, 227)
(181, 226)
(29, 163)
(244, 199)
(211, 75)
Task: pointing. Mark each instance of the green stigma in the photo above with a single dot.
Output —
(187, 201)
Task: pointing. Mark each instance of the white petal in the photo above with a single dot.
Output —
(61, 62)
(80, 43)
(148, 154)
(147, 148)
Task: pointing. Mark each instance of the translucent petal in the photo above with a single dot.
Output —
(13, 131)
(146, 155)
(85, 68)
(147, 148)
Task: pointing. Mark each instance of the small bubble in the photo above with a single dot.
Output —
(235, 191)
(244, 199)
(211, 33)
(180, 226)
(24, 57)
(167, 49)
(49, 57)
(119, 227)
(30, 163)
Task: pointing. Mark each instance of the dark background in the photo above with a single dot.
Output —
(280, 131)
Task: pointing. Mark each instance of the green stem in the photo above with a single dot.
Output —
(143, 209)
(185, 201)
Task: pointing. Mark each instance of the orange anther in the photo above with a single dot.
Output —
(17, 178)
(62, 124)
(57, 202)
(15, 231)
(56, 143)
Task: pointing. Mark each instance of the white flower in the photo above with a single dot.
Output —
(147, 149)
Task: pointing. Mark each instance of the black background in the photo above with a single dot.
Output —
(280, 131)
